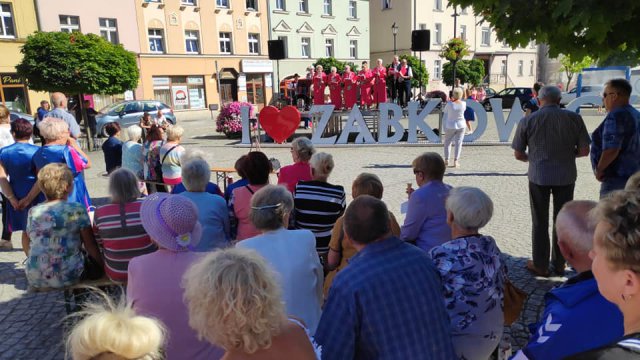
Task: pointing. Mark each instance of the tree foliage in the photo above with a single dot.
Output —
(572, 67)
(468, 71)
(77, 64)
(454, 50)
(327, 63)
(574, 27)
(621, 57)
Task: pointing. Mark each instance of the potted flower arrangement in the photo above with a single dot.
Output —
(229, 121)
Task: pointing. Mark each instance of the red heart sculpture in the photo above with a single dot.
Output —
(280, 124)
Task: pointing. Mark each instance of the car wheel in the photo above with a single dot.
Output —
(103, 131)
(487, 106)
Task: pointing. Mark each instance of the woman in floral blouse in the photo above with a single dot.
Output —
(472, 273)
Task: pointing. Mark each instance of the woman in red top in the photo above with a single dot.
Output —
(350, 88)
(319, 84)
(380, 84)
(335, 89)
(365, 80)
(301, 151)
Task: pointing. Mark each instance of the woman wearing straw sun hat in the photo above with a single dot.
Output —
(154, 286)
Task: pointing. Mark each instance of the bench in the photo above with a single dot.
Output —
(68, 291)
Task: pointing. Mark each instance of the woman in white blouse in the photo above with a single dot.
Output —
(291, 253)
(454, 126)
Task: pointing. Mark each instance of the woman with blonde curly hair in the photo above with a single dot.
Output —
(110, 331)
(616, 267)
(235, 302)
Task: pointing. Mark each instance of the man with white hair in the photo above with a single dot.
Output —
(59, 101)
(393, 75)
(576, 317)
(554, 137)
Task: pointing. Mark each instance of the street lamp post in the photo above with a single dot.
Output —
(394, 31)
(455, 33)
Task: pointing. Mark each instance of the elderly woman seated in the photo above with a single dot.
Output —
(212, 209)
(301, 152)
(118, 226)
(234, 301)
(426, 220)
(472, 274)
(290, 252)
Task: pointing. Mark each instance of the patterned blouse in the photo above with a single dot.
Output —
(472, 275)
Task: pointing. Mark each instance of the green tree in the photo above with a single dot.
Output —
(574, 27)
(327, 63)
(77, 64)
(468, 71)
(621, 57)
(572, 67)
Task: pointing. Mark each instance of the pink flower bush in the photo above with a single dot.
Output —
(229, 120)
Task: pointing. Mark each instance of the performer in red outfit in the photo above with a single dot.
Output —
(380, 84)
(319, 84)
(349, 79)
(365, 81)
(335, 88)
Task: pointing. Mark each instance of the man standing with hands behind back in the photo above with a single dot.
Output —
(615, 152)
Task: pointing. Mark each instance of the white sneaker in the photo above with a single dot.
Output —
(6, 245)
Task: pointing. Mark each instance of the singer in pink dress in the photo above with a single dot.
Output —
(365, 81)
(380, 84)
(349, 80)
(335, 88)
(319, 84)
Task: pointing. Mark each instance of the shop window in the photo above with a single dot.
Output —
(7, 29)
(13, 93)
(180, 92)
(255, 90)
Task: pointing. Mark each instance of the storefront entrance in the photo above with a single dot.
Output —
(180, 92)
(255, 90)
(13, 93)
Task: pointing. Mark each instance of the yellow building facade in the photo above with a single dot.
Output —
(17, 21)
(197, 53)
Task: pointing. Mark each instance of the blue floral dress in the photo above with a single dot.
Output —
(55, 258)
(472, 274)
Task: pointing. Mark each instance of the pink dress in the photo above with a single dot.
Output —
(365, 80)
(155, 290)
(291, 174)
(241, 204)
(350, 89)
(335, 90)
(380, 85)
(319, 84)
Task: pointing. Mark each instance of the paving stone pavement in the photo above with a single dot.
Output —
(31, 325)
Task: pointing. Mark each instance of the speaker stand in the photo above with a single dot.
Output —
(279, 97)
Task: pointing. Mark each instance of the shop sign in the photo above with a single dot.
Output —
(180, 95)
(242, 82)
(159, 81)
(195, 80)
(257, 66)
(267, 80)
(10, 79)
(128, 95)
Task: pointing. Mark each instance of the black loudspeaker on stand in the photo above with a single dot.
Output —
(420, 40)
(276, 52)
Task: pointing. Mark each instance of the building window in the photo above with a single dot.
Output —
(225, 43)
(520, 68)
(353, 9)
(192, 41)
(285, 45)
(180, 92)
(305, 47)
(69, 24)
(437, 5)
(280, 5)
(188, 2)
(326, 7)
(353, 49)
(503, 67)
(437, 69)
(252, 5)
(422, 26)
(531, 67)
(222, 3)
(486, 37)
(109, 30)
(6, 21)
(303, 6)
(328, 48)
(386, 4)
(254, 44)
(463, 32)
(437, 37)
(156, 41)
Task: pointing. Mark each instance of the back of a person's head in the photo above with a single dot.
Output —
(366, 220)
(471, 207)
(55, 180)
(303, 148)
(154, 134)
(367, 184)
(240, 166)
(269, 207)
(123, 186)
(456, 94)
(234, 300)
(21, 129)
(574, 225)
(322, 164)
(634, 182)
(174, 132)
(431, 164)
(196, 174)
(537, 86)
(112, 128)
(114, 331)
(52, 128)
(257, 168)
(134, 133)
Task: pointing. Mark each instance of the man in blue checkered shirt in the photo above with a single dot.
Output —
(387, 304)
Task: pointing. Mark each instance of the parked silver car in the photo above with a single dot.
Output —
(586, 90)
(14, 115)
(128, 113)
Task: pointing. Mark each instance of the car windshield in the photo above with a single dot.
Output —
(112, 107)
(507, 92)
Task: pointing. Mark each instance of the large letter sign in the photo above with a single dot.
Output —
(390, 115)
(416, 120)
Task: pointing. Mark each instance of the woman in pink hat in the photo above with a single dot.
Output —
(154, 287)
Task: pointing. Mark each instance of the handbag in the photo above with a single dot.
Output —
(514, 299)
(158, 167)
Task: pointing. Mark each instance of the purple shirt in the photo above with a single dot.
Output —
(426, 220)
(155, 290)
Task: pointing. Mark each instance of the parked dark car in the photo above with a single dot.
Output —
(128, 113)
(508, 96)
